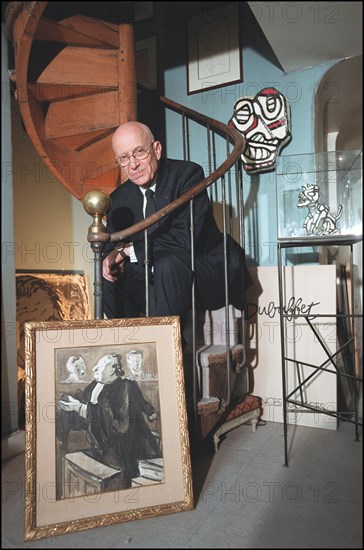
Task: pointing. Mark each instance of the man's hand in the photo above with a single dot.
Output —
(152, 417)
(70, 405)
(112, 266)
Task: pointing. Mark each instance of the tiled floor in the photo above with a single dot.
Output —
(245, 497)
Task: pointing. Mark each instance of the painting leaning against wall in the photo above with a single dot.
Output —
(46, 296)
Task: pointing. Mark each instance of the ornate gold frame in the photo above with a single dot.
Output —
(46, 515)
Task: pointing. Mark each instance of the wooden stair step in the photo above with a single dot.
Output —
(107, 182)
(81, 141)
(53, 92)
(77, 116)
(78, 30)
(92, 166)
(85, 66)
(99, 153)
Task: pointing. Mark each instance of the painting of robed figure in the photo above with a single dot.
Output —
(108, 429)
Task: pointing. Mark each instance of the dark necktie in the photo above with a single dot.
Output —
(150, 207)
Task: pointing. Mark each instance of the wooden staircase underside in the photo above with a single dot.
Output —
(75, 83)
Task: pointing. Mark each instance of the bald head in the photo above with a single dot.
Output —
(131, 129)
(127, 140)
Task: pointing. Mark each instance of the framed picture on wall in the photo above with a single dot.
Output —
(146, 62)
(214, 54)
(106, 400)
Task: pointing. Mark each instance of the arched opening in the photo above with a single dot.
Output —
(339, 107)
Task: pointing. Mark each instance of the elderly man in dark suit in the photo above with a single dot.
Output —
(139, 156)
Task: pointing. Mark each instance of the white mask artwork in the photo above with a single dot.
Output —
(264, 121)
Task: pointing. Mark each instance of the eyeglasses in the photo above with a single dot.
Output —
(139, 153)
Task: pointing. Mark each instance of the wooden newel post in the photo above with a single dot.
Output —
(97, 203)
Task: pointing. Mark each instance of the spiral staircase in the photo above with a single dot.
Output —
(74, 78)
(75, 84)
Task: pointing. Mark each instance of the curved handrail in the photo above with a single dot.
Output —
(220, 127)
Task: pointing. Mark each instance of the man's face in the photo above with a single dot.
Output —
(79, 369)
(135, 363)
(104, 370)
(141, 172)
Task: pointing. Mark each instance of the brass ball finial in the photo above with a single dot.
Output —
(96, 203)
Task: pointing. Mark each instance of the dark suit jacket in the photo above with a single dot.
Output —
(172, 233)
(175, 177)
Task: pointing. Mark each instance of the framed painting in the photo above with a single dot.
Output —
(146, 62)
(214, 54)
(46, 296)
(50, 296)
(106, 398)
